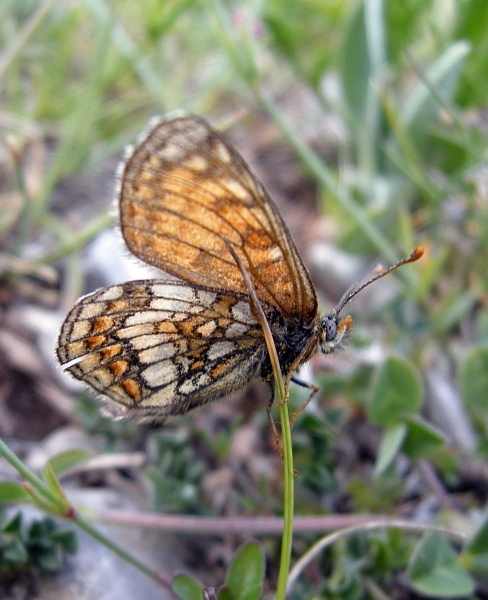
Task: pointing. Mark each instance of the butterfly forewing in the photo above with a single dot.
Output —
(183, 192)
(161, 347)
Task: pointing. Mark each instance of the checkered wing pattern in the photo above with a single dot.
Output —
(184, 191)
(158, 348)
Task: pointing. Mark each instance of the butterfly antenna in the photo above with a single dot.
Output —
(349, 295)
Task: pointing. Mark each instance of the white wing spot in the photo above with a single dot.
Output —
(219, 349)
(111, 293)
(222, 152)
(160, 373)
(156, 354)
(236, 330)
(173, 292)
(275, 254)
(172, 152)
(241, 311)
(190, 385)
(196, 163)
(145, 316)
(205, 297)
(94, 309)
(162, 397)
(236, 189)
(80, 330)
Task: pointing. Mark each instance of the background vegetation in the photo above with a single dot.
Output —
(367, 121)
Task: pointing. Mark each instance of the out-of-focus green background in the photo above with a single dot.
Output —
(367, 121)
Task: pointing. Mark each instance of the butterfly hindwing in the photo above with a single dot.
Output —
(160, 347)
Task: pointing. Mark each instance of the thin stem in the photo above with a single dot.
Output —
(288, 500)
(9, 54)
(148, 75)
(72, 241)
(326, 541)
(108, 543)
(25, 220)
(282, 398)
(33, 479)
(58, 504)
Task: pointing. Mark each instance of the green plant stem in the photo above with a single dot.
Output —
(288, 501)
(96, 534)
(48, 499)
(72, 241)
(148, 75)
(9, 54)
(282, 399)
(33, 479)
(387, 523)
(25, 220)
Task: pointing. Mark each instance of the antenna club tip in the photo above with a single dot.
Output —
(416, 254)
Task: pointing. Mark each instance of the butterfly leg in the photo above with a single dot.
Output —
(303, 406)
(276, 435)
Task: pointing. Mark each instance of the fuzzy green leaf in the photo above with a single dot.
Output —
(396, 393)
(390, 446)
(422, 438)
(186, 587)
(246, 572)
(434, 569)
(12, 492)
(66, 460)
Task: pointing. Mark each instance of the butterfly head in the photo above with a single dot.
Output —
(333, 331)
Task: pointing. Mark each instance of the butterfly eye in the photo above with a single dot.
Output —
(330, 327)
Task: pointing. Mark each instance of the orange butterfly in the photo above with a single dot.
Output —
(161, 347)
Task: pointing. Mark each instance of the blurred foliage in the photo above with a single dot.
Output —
(105, 428)
(175, 472)
(244, 579)
(39, 545)
(404, 86)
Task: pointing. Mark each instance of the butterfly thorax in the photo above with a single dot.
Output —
(293, 340)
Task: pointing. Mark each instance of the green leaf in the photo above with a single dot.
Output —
(404, 22)
(49, 559)
(66, 460)
(455, 306)
(481, 326)
(54, 485)
(246, 572)
(363, 58)
(67, 539)
(473, 383)
(422, 438)
(478, 544)
(356, 68)
(13, 525)
(473, 26)
(396, 392)
(186, 587)
(390, 446)
(14, 552)
(225, 593)
(12, 492)
(422, 108)
(475, 555)
(434, 569)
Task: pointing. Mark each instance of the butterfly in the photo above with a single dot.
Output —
(191, 206)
